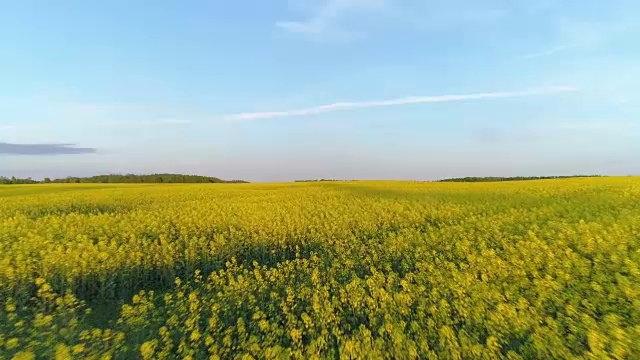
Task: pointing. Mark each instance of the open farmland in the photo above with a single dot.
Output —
(405, 270)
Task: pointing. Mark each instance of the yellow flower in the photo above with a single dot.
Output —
(62, 352)
(10, 307)
(195, 336)
(148, 349)
(24, 355)
(208, 341)
(296, 335)
(12, 343)
(78, 348)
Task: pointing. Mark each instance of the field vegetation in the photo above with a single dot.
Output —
(546, 269)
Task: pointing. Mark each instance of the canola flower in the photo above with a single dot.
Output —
(388, 270)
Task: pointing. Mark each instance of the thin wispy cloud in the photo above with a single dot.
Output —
(324, 17)
(581, 34)
(351, 19)
(43, 149)
(345, 106)
(549, 52)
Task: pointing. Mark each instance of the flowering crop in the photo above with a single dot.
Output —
(514, 270)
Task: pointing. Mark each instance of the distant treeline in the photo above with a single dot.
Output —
(13, 180)
(125, 179)
(319, 180)
(514, 178)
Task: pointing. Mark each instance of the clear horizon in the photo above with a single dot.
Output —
(308, 89)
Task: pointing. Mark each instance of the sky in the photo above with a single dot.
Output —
(303, 89)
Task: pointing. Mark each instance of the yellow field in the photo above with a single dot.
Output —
(405, 270)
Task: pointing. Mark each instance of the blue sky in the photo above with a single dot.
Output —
(298, 89)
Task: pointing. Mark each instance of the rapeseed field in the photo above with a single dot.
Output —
(545, 269)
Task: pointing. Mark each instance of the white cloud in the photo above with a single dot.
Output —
(324, 17)
(573, 33)
(551, 51)
(349, 19)
(343, 106)
(583, 34)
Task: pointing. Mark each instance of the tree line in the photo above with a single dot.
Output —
(125, 179)
(197, 179)
(513, 178)
(14, 180)
(320, 180)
